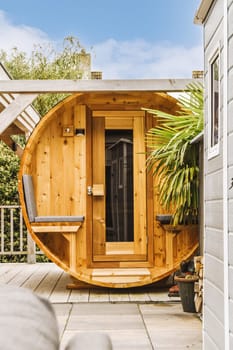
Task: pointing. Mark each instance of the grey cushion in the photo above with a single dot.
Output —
(27, 322)
(59, 218)
(29, 197)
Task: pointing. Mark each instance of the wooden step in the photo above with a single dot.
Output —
(120, 272)
(121, 278)
(116, 278)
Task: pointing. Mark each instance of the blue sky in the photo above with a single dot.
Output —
(127, 38)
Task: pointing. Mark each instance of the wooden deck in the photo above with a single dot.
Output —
(139, 318)
(49, 281)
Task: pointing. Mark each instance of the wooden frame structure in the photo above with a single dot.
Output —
(17, 116)
(69, 177)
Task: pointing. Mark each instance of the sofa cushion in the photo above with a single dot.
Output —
(53, 218)
(29, 197)
(27, 321)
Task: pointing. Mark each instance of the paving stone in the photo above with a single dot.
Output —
(104, 309)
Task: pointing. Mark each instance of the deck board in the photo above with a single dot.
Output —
(23, 275)
(99, 295)
(119, 296)
(9, 271)
(34, 280)
(60, 293)
(49, 282)
(79, 296)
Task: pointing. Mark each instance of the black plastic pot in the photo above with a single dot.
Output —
(186, 289)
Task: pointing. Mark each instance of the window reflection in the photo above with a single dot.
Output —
(119, 185)
(215, 82)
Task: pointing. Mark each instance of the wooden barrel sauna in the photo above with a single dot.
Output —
(87, 199)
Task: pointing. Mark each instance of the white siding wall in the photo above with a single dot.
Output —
(213, 334)
(213, 323)
(230, 163)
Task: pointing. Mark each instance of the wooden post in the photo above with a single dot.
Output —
(31, 257)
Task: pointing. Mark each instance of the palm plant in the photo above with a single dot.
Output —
(173, 158)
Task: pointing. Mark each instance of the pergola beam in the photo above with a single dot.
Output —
(72, 86)
(11, 112)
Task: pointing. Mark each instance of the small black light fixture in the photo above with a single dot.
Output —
(79, 132)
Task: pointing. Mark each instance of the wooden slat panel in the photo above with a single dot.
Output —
(42, 174)
(169, 249)
(56, 177)
(137, 264)
(121, 272)
(121, 256)
(79, 180)
(119, 247)
(99, 178)
(159, 245)
(140, 237)
(123, 281)
(159, 232)
(113, 123)
(80, 161)
(150, 202)
(107, 103)
(68, 162)
(73, 251)
(89, 208)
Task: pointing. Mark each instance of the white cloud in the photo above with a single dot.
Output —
(141, 59)
(20, 36)
(116, 59)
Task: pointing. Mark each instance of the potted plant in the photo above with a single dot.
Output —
(185, 279)
(173, 158)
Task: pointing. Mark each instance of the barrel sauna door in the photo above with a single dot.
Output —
(118, 189)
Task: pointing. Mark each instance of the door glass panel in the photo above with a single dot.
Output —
(119, 185)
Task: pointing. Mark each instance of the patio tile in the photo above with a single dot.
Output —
(62, 309)
(78, 296)
(104, 309)
(104, 322)
(130, 339)
(171, 328)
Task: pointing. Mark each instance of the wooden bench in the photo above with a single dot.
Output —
(66, 225)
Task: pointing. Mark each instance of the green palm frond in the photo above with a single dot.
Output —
(173, 158)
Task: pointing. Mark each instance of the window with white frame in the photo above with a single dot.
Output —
(214, 106)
